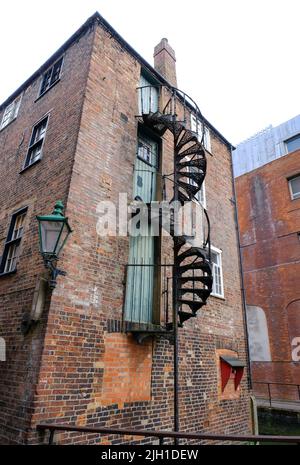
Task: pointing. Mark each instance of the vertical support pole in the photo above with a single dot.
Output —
(269, 391)
(142, 100)
(175, 311)
(176, 353)
(167, 304)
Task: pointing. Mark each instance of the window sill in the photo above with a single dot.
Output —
(8, 273)
(29, 166)
(47, 90)
(216, 296)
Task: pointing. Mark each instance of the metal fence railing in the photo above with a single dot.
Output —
(162, 435)
(277, 391)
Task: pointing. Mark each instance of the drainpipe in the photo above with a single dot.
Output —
(234, 201)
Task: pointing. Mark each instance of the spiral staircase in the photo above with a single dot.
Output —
(192, 268)
(192, 272)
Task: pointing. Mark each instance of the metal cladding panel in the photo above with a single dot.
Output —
(264, 147)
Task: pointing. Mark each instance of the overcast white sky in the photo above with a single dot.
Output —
(239, 59)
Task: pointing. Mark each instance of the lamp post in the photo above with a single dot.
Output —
(54, 231)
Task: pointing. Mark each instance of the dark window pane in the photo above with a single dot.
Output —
(51, 76)
(36, 143)
(56, 71)
(46, 81)
(12, 244)
(295, 187)
(293, 144)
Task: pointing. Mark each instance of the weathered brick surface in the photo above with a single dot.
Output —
(82, 373)
(269, 221)
(37, 187)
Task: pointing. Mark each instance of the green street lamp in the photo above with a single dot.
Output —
(54, 231)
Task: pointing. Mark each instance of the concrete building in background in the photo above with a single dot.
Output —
(267, 171)
(98, 349)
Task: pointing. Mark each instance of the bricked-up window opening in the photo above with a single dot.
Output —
(36, 143)
(231, 367)
(293, 143)
(11, 112)
(216, 258)
(51, 76)
(294, 184)
(13, 241)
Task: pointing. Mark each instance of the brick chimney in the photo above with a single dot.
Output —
(165, 61)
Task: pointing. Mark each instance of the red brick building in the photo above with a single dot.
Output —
(267, 167)
(79, 354)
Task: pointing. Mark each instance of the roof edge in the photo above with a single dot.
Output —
(52, 58)
(96, 17)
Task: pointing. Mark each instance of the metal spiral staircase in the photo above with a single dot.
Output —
(192, 273)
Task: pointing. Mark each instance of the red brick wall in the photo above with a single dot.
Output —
(77, 380)
(269, 221)
(38, 188)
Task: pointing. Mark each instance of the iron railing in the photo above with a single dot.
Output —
(278, 396)
(159, 277)
(162, 435)
(137, 307)
(151, 100)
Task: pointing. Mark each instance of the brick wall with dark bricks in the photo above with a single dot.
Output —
(75, 364)
(38, 188)
(269, 222)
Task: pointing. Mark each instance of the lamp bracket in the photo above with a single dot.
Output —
(49, 263)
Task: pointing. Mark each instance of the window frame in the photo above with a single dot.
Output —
(147, 137)
(15, 104)
(201, 192)
(290, 187)
(11, 242)
(41, 92)
(218, 252)
(32, 145)
(296, 136)
(207, 138)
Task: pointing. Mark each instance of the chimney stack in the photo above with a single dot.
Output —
(165, 61)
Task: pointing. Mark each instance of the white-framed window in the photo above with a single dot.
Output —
(51, 76)
(201, 194)
(11, 112)
(293, 143)
(294, 185)
(36, 142)
(148, 96)
(12, 245)
(216, 258)
(146, 152)
(197, 127)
